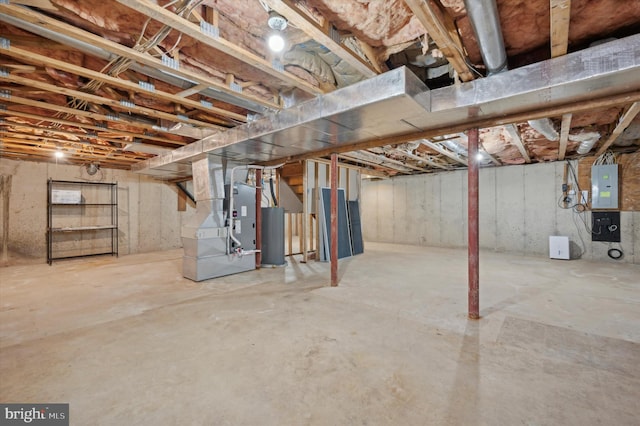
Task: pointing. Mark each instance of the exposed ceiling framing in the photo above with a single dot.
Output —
(98, 78)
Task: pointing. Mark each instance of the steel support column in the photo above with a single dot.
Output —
(473, 204)
(258, 218)
(334, 220)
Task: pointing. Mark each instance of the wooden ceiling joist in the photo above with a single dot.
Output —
(516, 140)
(83, 126)
(351, 156)
(384, 158)
(564, 135)
(40, 60)
(560, 17)
(101, 100)
(289, 10)
(51, 146)
(126, 52)
(443, 34)
(626, 119)
(447, 153)
(94, 115)
(192, 30)
(78, 136)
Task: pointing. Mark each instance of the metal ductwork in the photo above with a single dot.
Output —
(587, 141)
(485, 21)
(545, 127)
(398, 103)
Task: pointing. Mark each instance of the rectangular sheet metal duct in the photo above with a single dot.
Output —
(397, 102)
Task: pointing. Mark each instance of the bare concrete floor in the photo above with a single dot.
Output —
(128, 341)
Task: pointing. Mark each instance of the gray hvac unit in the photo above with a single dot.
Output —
(273, 236)
(220, 239)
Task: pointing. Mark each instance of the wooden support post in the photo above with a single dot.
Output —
(290, 232)
(334, 220)
(299, 229)
(258, 218)
(473, 204)
(182, 201)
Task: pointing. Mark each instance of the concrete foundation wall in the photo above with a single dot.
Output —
(148, 216)
(518, 212)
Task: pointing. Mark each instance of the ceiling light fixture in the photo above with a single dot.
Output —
(479, 156)
(276, 42)
(59, 154)
(277, 23)
(92, 168)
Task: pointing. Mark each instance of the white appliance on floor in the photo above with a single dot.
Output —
(559, 247)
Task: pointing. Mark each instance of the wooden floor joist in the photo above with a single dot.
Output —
(192, 30)
(55, 25)
(83, 126)
(101, 100)
(40, 60)
(94, 115)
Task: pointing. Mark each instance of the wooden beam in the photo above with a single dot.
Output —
(446, 40)
(192, 30)
(350, 166)
(81, 113)
(120, 50)
(192, 90)
(455, 157)
(12, 113)
(364, 157)
(297, 17)
(372, 56)
(564, 135)
(626, 119)
(81, 136)
(560, 17)
(516, 140)
(51, 145)
(40, 4)
(34, 58)
(99, 100)
(399, 163)
(426, 160)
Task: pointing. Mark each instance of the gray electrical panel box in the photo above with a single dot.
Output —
(604, 186)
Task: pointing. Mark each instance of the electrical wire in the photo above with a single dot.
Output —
(608, 158)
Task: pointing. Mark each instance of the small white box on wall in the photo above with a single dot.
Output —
(559, 247)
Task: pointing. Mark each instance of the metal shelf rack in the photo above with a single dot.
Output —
(82, 219)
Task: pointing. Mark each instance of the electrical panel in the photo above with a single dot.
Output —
(605, 226)
(604, 187)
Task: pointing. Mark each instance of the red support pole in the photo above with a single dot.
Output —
(473, 207)
(258, 217)
(334, 220)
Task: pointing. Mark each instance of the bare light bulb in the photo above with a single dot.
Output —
(276, 42)
(59, 154)
(479, 156)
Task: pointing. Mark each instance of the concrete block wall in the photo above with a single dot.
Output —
(518, 212)
(148, 217)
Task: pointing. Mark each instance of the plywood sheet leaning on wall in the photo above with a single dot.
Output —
(629, 179)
